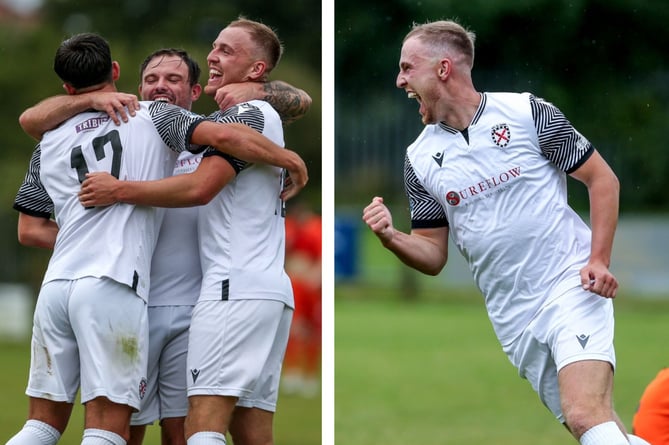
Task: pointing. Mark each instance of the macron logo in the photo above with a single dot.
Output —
(438, 158)
(583, 339)
(195, 373)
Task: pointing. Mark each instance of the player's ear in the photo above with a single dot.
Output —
(116, 70)
(195, 92)
(257, 70)
(445, 68)
(69, 89)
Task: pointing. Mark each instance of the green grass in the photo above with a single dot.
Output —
(431, 371)
(297, 420)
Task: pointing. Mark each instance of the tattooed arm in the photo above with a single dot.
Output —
(290, 102)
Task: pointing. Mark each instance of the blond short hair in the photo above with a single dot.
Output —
(446, 36)
(265, 38)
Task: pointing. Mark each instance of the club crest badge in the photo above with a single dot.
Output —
(501, 135)
(142, 388)
(453, 198)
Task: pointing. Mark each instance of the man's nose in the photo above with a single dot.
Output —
(400, 81)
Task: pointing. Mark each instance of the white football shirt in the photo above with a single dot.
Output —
(501, 188)
(242, 230)
(176, 273)
(116, 241)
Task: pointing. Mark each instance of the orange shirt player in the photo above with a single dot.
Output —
(651, 420)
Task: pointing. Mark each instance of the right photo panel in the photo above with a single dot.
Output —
(500, 247)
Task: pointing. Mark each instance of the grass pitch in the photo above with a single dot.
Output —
(432, 372)
(297, 421)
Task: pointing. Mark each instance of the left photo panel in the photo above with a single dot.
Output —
(162, 223)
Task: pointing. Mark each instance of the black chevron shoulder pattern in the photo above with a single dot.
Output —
(558, 139)
(426, 212)
(32, 198)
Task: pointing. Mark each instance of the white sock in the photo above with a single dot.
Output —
(206, 438)
(94, 436)
(35, 432)
(636, 440)
(606, 433)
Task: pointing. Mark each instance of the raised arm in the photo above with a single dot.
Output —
(425, 250)
(51, 112)
(291, 103)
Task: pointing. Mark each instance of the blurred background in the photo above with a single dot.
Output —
(602, 62)
(30, 32)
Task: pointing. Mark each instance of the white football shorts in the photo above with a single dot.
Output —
(168, 346)
(236, 348)
(89, 333)
(576, 326)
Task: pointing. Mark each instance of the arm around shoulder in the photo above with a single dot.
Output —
(51, 112)
(290, 102)
(186, 190)
(245, 143)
